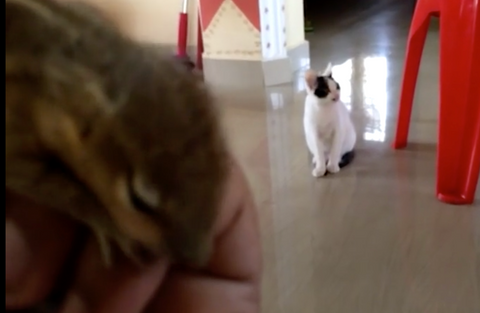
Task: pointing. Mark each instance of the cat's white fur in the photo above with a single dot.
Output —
(328, 127)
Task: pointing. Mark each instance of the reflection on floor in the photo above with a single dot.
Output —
(373, 238)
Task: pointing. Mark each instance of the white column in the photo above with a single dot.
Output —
(273, 32)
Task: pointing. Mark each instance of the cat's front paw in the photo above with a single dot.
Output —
(333, 167)
(319, 171)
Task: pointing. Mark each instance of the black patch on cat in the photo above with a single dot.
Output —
(322, 90)
(347, 158)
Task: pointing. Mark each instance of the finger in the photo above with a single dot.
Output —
(37, 243)
(237, 253)
(231, 282)
(196, 293)
(123, 288)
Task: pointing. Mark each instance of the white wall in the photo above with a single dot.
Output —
(294, 21)
(154, 21)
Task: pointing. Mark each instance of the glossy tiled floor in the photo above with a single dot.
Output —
(373, 238)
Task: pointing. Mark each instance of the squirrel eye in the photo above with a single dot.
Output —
(143, 197)
(139, 204)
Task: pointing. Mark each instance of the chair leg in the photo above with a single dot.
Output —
(199, 43)
(474, 97)
(416, 42)
(458, 155)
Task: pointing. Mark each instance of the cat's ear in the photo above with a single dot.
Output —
(328, 71)
(311, 79)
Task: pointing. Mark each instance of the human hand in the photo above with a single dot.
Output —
(39, 243)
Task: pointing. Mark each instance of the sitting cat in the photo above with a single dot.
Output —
(329, 131)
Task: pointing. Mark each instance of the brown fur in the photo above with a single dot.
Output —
(88, 112)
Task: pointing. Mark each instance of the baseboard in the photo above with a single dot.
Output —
(249, 73)
(277, 71)
(299, 56)
(236, 74)
(242, 74)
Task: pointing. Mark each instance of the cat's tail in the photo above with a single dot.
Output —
(347, 158)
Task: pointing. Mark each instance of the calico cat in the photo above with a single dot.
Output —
(110, 133)
(329, 131)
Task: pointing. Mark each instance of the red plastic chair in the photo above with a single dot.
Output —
(458, 152)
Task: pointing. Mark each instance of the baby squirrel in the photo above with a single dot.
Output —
(111, 133)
